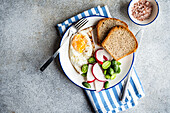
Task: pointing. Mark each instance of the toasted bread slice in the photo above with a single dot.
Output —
(120, 42)
(105, 25)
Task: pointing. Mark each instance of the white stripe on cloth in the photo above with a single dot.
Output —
(113, 97)
(100, 102)
(86, 13)
(134, 97)
(100, 11)
(107, 100)
(63, 28)
(108, 12)
(93, 11)
(66, 22)
(73, 19)
(79, 16)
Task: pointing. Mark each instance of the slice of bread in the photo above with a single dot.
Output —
(120, 42)
(105, 25)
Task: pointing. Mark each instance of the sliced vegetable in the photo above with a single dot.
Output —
(105, 58)
(98, 85)
(115, 67)
(118, 63)
(99, 55)
(91, 60)
(114, 62)
(100, 65)
(84, 68)
(119, 70)
(106, 85)
(110, 71)
(106, 64)
(87, 85)
(113, 76)
(102, 55)
(84, 74)
(90, 77)
(98, 73)
(105, 72)
(107, 76)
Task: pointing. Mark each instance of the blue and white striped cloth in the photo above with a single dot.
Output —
(108, 100)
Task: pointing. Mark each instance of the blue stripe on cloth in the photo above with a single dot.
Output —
(103, 101)
(90, 12)
(96, 9)
(60, 30)
(104, 11)
(76, 18)
(70, 21)
(113, 111)
(132, 102)
(66, 25)
(83, 15)
(126, 100)
(134, 87)
(121, 88)
(117, 98)
(63, 24)
(119, 108)
(110, 98)
(126, 106)
(96, 101)
(138, 79)
(131, 97)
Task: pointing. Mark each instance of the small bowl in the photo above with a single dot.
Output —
(152, 18)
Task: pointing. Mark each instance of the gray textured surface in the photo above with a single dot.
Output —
(28, 37)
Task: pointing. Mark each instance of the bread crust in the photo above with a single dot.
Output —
(107, 37)
(100, 23)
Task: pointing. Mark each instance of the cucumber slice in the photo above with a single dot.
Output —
(87, 85)
(106, 64)
(106, 85)
(91, 60)
(84, 68)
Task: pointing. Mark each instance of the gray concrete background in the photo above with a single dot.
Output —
(28, 38)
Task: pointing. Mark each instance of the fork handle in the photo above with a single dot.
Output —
(125, 87)
(47, 63)
(56, 53)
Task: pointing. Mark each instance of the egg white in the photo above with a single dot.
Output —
(78, 59)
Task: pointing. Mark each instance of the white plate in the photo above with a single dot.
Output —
(76, 78)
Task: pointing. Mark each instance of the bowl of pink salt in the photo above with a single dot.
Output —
(143, 12)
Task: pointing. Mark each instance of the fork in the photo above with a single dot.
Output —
(73, 29)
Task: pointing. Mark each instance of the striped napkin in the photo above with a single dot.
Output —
(108, 100)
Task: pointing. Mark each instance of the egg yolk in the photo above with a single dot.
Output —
(79, 43)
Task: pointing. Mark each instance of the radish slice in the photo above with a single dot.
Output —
(101, 55)
(98, 85)
(90, 77)
(105, 58)
(98, 73)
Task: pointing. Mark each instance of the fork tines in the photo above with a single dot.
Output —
(81, 23)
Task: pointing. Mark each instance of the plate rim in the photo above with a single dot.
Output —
(84, 87)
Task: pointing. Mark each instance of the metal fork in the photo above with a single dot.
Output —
(73, 29)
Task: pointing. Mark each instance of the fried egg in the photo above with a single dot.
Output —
(81, 48)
